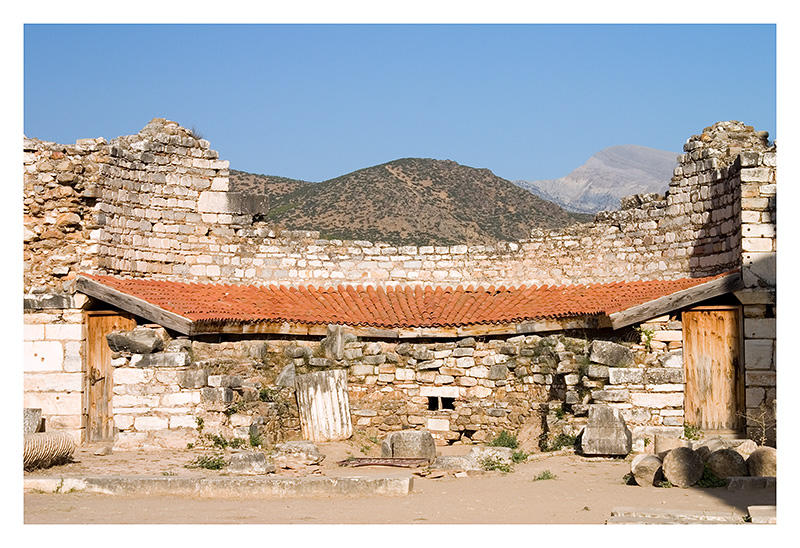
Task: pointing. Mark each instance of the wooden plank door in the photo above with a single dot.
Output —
(99, 373)
(324, 405)
(712, 357)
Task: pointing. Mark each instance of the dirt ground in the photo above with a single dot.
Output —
(583, 491)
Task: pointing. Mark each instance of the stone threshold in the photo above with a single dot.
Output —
(224, 487)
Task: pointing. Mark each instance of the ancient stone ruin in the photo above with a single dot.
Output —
(141, 327)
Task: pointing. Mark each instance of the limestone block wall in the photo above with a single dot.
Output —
(54, 368)
(463, 391)
(156, 204)
(759, 250)
(177, 397)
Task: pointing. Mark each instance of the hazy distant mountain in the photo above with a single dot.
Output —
(606, 177)
(408, 201)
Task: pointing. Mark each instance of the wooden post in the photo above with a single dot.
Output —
(324, 405)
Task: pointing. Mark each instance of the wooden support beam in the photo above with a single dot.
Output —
(134, 305)
(676, 301)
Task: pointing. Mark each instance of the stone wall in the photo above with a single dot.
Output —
(156, 204)
(463, 391)
(756, 174)
(54, 367)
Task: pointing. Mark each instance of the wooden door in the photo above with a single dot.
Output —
(712, 351)
(324, 405)
(99, 373)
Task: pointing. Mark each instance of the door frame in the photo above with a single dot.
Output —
(740, 370)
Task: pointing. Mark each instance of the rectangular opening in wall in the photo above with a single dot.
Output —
(433, 403)
(448, 403)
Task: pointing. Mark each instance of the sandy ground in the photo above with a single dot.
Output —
(583, 491)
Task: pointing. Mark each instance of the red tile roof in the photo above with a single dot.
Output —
(391, 307)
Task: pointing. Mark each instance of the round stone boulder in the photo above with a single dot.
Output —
(763, 462)
(646, 470)
(704, 448)
(726, 463)
(665, 443)
(682, 467)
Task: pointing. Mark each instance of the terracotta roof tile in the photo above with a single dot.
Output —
(402, 306)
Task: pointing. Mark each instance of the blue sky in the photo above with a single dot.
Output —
(314, 102)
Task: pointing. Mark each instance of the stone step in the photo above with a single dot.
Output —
(762, 514)
(675, 515)
(656, 521)
(224, 487)
(751, 482)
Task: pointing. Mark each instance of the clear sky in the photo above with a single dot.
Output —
(314, 102)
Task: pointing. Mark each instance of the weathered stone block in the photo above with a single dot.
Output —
(43, 355)
(249, 463)
(760, 378)
(216, 395)
(609, 353)
(497, 372)
(226, 381)
(673, 358)
(150, 423)
(664, 375)
(409, 444)
(192, 378)
(605, 433)
(625, 375)
(139, 340)
(439, 391)
(758, 353)
(161, 359)
(285, 378)
(657, 400)
(438, 425)
(755, 328)
(362, 369)
(611, 395)
(598, 371)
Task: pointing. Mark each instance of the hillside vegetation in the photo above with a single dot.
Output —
(417, 201)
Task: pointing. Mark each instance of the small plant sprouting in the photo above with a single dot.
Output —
(189, 445)
(236, 443)
(561, 441)
(504, 439)
(628, 479)
(646, 337)
(665, 484)
(255, 439)
(546, 475)
(646, 442)
(559, 413)
(709, 479)
(217, 440)
(200, 423)
(519, 456)
(209, 463)
(691, 432)
(267, 395)
(493, 463)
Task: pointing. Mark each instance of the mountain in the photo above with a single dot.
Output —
(417, 201)
(254, 183)
(606, 177)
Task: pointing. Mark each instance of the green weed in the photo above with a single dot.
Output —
(546, 475)
(504, 439)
